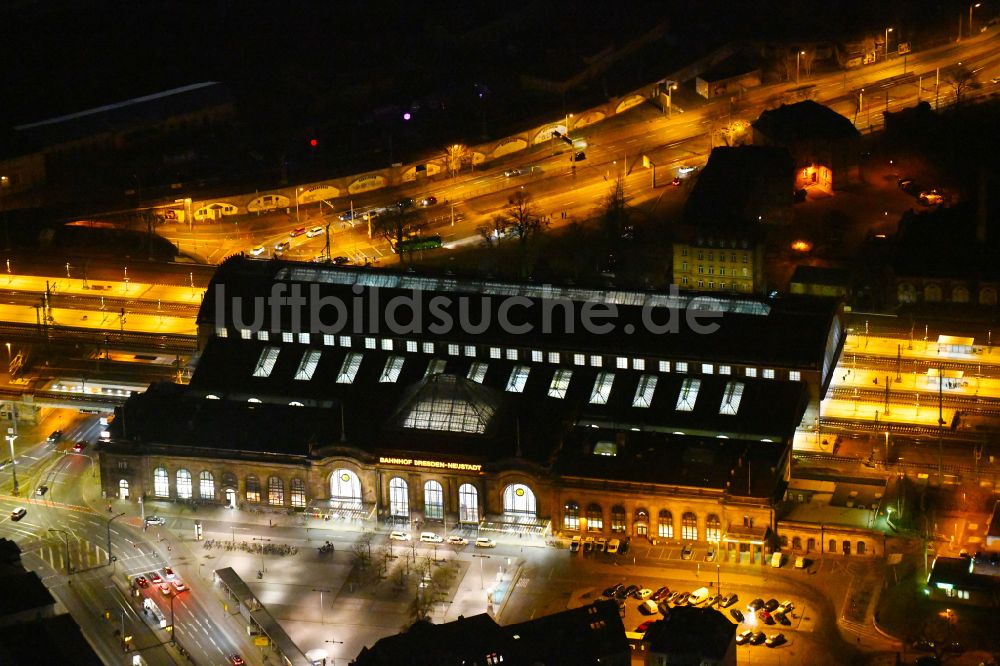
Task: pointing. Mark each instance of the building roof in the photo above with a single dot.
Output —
(23, 591)
(806, 120)
(735, 185)
(687, 630)
(921, 250)
(733, 66)
(821, 275)
(47, 640)
(586, 635)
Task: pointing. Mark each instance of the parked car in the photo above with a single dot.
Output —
(660, 593)
(613, 546)
(600, 544)
(755, 604)
(56, 436)
(41, 490)
(648, 607)
(687, 552)
(281, 247)
(510, 173)
(630, 590)
(781, 618)
(737, 615)
(588, 544)
(298, 231)
(155, 520)
(757, 638)
(774, 640)
(315, 231)
(682, 598)
(154, 578)
(340, 260)
(785, 607)
(699, 596)
(18, 513)
(643, 593)
(765, 616)
(710, 555)
(574, 544)
(431, 537)
(728, 600)
(399, 535)
(613, 590)
(458, 541)
(771, 605)
(483, 542)
(257, 250)
(744, 637)
(141, 581)
(714, 600)
(642, 628)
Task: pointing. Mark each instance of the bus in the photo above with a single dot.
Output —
(417, 243)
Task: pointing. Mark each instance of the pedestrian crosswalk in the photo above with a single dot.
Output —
(82, 554)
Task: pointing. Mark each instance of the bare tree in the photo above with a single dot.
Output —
(397, 223)
(523, 223)
(808, 58)
(615, 213)
(493, 231)
(960, 78)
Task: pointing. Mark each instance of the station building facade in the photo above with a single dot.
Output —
(628, 432)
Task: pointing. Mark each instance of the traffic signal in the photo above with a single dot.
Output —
(313, 142)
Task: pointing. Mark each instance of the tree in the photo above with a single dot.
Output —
(615, 213)
(397, 223)
(960, 78)
(493, 231)
(522, 222)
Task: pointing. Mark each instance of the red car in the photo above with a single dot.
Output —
(236, 660)
(79, 446)
(141, 581)
(155, 579)
(675, 182)
(165, 588)
(644, 627)
(297, 232)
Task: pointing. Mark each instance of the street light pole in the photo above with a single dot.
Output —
(111, 520)
(173, 629)
(670, 99)
(798, 57)
(886, 45)
(971, 7)
(482, 585)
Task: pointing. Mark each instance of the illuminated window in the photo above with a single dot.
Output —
(349, 368)
(688, 395)
(518, 498)
(470, 351)
(411, 346)
(617, 519)
(345, 485)
(713, 528)
(433, 500)
(571, 518)
(263, 336)
(370, 343)
(664, 366)
(287, 336)
(518, 378)
(161, 482)
(345, 341)
(428, 347)
(390, 373)
(731, 398)
(452, 350)
(606, 448)
(689, 527)
(707, 368)
(536, 356)
(329, 340)
(596, 361)
(221, 333)
(638, 364)
(621, 363)
(303, 338)
(298, 493)
(495, 353)
(386, 344)
(253, 489)
(265, 363)
(725, 370)
(468, 503)
(399, 499)
(477, 372)
(681, 366)
(435, 366)
(553, 357)
(560, 383)
(275, 491)
(245, 333)
(751, 372)
(644, 392)
(665, 527)
(602, 388)
(768, 373)
(184, 484)
(308, 364)
(579, 359)
(206, 485)
(511, 354)
(595, 518)
(794, 375)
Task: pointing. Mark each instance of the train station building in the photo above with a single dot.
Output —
(503, 409)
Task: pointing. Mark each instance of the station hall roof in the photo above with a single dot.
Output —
(789, 332)
(803, 121)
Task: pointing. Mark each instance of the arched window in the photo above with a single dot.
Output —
(861, 548)
(275, 491)
(617, 519)
(595, 518)
(399, 500)
(665, 528)
(571, 517)
(832, 546)
(345, 486)
(433, 500)
(468, 503)
(518, 498)
(796, 543)
(253, 489)
(123, 489)
(298, 493)
(689, 526)
(206, 485)
(161, 482)
(713, 528)
(184, 484)
(228, 480)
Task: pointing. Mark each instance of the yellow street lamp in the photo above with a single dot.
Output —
(971, 7)
(886, 45)
(797, 58)
(670, 99)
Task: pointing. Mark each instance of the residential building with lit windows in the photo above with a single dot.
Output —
(718, 261)
(551, 428)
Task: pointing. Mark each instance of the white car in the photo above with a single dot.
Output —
(644, 593)
(510, 173)
(257, 251)
(458, 541)
(397, 535)
(315, 231)
(430, 537)
(483, 542)
(684, 170)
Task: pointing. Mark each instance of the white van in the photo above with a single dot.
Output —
(613, 545)
(430, 537)
(777, 559)
(699, 596)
